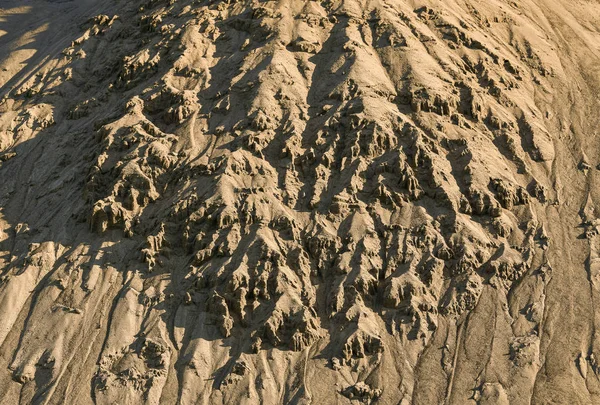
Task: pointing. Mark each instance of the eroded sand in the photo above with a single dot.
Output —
(209, 202)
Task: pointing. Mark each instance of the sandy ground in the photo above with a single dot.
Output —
(299, 202)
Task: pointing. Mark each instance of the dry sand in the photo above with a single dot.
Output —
(299, 202)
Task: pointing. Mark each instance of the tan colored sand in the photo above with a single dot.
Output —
(299, 202)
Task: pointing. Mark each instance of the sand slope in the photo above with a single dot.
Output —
(299, 202)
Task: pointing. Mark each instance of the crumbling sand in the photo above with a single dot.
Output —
(336, 202)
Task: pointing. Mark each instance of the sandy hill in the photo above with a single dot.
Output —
(299, 202)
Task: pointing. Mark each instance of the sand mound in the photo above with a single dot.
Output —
(299, 202)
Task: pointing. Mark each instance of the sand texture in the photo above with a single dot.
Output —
(300, 202)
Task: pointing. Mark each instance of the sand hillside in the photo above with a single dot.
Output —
(299, 202)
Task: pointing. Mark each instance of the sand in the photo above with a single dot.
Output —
(299, 202)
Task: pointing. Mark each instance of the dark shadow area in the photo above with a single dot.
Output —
(45, 27)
